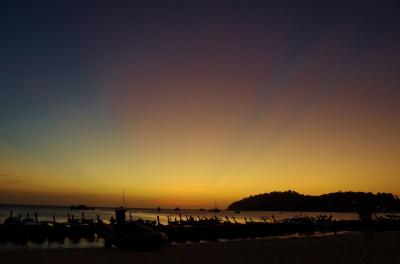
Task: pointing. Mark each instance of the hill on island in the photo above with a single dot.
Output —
(331, 202)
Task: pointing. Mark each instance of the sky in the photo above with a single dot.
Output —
(183, 102)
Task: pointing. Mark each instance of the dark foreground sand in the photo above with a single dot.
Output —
(347, 248)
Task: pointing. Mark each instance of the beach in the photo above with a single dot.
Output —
(346, 248)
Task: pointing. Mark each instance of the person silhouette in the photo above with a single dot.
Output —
(365, 211)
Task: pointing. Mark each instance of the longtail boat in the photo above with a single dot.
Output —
(129, 235)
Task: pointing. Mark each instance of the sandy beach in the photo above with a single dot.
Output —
(347, 248)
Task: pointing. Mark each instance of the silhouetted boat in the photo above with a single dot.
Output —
(129, 235)
(177, 209)
(80, 207)
(12, 219)
(215, 209)
(28, 220)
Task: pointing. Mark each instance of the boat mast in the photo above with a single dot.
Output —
(123, 198)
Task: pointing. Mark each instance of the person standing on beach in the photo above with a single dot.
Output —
(365, 211)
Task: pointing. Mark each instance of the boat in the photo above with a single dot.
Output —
(81, 207)
(130, 235)
(28, 220)
(215, 209)
(12, 219)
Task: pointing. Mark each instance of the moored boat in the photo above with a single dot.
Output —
(129, 235)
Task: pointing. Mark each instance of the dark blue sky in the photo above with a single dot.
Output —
(209, 87)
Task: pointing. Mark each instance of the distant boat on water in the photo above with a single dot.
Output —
(81, 207)
(215, 209)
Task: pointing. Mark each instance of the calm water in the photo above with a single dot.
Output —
(60, 213)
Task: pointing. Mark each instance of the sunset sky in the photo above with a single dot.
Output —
(181, 102)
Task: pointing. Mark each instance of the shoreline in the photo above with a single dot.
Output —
(99, 243)
(344, 248)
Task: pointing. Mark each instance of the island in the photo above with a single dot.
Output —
(331, 202)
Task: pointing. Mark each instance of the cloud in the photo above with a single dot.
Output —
(12, 182)
(6, 176)
(8, 179)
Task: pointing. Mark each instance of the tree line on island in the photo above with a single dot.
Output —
(331, 202)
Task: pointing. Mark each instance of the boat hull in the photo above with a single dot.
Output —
(132, 236)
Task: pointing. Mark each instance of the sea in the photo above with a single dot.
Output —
(46, 213)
